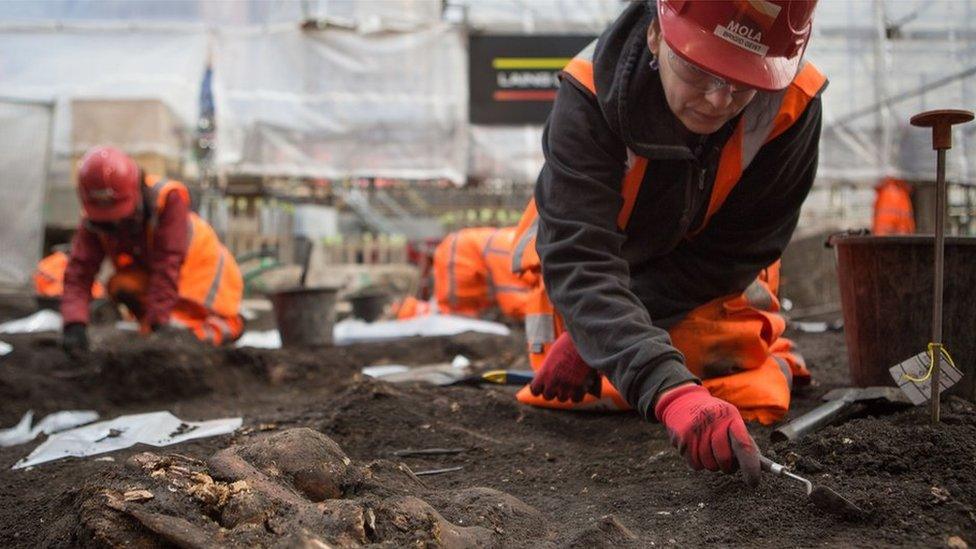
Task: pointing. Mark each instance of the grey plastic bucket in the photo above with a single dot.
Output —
(305, 316)
(886, 293)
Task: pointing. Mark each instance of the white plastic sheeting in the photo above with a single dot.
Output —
(887, 61)
(374, 15)
(52, 423)
(506, 152)
(390, 14)
(338, 104)
(352, 330)
(392, 103)
(58, 64)
(23, 176)
(44, 320)
(539, 16)
(212, 12)
(154, 428)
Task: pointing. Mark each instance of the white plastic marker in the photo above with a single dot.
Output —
(914, 378)
(155, 429)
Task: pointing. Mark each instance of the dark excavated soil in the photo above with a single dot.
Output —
(529, 477)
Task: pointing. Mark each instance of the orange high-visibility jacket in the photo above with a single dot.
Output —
(893, 212)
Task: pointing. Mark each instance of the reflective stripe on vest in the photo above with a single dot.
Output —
(451, 274)
(218, 276)
(758, 297)
(785, 368)
(539, 331)
(526, 237)
(581, 67)
(484, 256)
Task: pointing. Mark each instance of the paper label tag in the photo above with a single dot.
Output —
(916, 367)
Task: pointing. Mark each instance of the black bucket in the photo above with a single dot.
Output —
(305, 316)
(368, 305)
(886, 292)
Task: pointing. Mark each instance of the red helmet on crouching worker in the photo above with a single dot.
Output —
(108, 184)
(754, 43)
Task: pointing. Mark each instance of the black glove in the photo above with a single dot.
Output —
(74, 338)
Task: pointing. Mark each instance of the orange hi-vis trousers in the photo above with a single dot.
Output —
(735, 344)
(128, 286)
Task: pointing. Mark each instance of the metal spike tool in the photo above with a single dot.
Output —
(941, 122)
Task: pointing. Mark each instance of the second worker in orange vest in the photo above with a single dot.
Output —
(679, 150)
(171, 270)
(473, 274)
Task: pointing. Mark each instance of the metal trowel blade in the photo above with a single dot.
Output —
(834, 503)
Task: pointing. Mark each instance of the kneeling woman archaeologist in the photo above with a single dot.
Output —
(680, 147)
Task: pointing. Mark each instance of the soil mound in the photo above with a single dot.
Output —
(292, 487)
(913, 478)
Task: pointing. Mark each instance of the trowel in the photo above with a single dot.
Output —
(822, 497)
(838, 403)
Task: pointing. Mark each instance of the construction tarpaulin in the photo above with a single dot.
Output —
(886, 62)
(337, 103)
(23, 175)
(512, 153)
(538, 16)
(60, 64)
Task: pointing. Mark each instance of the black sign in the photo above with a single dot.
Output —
(513, 79)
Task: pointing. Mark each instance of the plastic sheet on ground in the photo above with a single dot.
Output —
(5, 348)
(384, 370)
(154, 428)
(356, 331)
(42, 321)
(260, 339)
(460, 363)
(52, 423)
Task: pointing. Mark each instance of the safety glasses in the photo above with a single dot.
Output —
(698, 78)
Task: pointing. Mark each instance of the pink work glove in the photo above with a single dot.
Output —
(708, 431)
(564, 375)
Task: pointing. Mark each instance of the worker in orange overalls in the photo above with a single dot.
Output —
(49, 275)
(473, 277)
(680, 147)
(171, 271)
(473, 274)
(893, 212)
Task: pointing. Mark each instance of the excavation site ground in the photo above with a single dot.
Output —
(325, 456)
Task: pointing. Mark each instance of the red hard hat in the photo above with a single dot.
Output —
(108, 184)
(756, 43)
